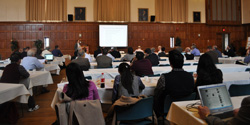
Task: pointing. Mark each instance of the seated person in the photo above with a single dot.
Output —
(39, 55)
(30, 62)
(195, 51)
(129, 56)
(57, 52)
(217, 51)
(247, 58)
(162, 53)
(46, 51)
(79, 88)
(241, 115)
(115, 53)
(98, 51)
(207, 73)
(24, 53)
(188, 55)
(138, 49)
(177, 83)
(13, 73)
(152, 57)
(104, 61)
(82, 61)
(108, 54)
(87, 55)
(212, 54)
(229, 51)
(159, 49)
(141, 66)
(126, 83)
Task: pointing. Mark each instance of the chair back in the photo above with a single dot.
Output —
(142, 109)
(247, 69)
(186, 64)
(239, 90)
(168, 101)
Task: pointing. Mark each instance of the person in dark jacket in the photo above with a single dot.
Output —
(162, 53)
(115, 53)
(229, 51)
(153, 58)
(13, 73)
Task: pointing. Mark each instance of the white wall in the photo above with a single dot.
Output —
(12, 10)
(89, 4)
(196, 5)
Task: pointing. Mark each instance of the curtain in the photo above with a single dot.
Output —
(112, 10)
(171, 10)
(46, 10)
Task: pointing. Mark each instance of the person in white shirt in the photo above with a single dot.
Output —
(30, 62)
(139, 49)
(46, 51)
(159, 49)
(87, 55)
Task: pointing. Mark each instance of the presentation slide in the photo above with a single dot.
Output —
(113, 35)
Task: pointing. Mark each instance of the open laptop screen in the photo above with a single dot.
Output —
(216, 98)
(49, 57)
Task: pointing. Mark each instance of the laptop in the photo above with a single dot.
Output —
(217, 99)
(49, 57)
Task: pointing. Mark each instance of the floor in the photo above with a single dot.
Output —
(45, 115)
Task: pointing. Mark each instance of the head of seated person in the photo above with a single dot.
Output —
(139, 55)
(104, 51)
(31, 52)
(130, 50)
(81, 53)
(148, 51)
(163, 49)
(206, 64)
(15, 58)
(77, 88)
(176, 59)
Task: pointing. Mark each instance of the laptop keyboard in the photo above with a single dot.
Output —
(225, 115)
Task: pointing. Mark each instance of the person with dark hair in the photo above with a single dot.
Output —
(212, 54)
(217, 51)
(188, 55)
(79, 88)
(177, 83)
(24, 53)
(140, 65)
(115, 53)
(229, 51)
(152, 57)
(207, 73)
(129, 56)
(98, 51)
(126, 83)
(104, 61)
(105, 52)
(195, 51)
(57, 52)
(162, 53)
(247, 58)
(13, 73)
(82, 61)
(39, 55)
(241, 115)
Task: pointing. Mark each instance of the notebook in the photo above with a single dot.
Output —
(217, 99)
(49, 57)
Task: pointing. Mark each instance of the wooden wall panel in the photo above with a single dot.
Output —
(147, 35)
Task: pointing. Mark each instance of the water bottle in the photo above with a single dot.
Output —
(102, 81)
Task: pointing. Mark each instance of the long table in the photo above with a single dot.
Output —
(36, 78)
(150, 84)
(179, 115)
(110, 73)
(10, 91)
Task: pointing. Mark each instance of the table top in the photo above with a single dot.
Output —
(179, 114)
(10, 91)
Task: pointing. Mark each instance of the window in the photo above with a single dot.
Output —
(226, 12)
